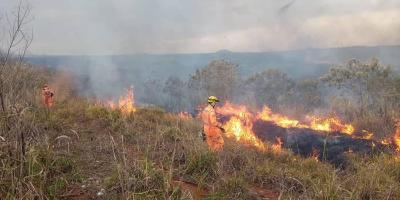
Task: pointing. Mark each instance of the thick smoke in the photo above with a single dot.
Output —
(119, 31)
(286, 7)
(126, 27)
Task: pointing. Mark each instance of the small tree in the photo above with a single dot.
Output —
(218, 78)
(367, 89)
(13, 47)
(307, 95)
(271, 87)
(369, 83)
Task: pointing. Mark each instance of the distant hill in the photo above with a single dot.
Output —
(297, 62)
(121, 70)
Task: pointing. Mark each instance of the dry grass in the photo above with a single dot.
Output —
(78, 148)
(140, 155)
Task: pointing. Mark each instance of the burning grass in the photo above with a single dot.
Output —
(126, 103)
(397, 136)
(80, 148)
(141, 155)
(239, 124)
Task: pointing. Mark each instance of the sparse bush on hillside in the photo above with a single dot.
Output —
(141, 154)
(368, 94)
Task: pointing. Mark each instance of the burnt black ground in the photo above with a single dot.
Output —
(330, 147)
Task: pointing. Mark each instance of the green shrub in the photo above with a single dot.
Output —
(97, 112)
(202, 167)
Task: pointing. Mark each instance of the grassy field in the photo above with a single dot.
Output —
(79, 150)
(82, 150)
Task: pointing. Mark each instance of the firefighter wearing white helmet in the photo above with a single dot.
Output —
(212, 128)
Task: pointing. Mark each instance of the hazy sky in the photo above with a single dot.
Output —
(185, 26)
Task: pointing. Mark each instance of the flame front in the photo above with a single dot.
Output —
(232, 109)
(367, 135)
(241, 120)
(240, 125)
(280, 120)
(332, 124)
(277, 147)
(396, 137)
(126, 103)
(242, 132)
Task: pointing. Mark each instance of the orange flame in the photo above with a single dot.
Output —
(367, 135)
(385, 142)
(277, 147)
(350, 151)
(280, 120)
(242, 132)
(126, 103)
(332, 124)
(241, 121)
(315, 154)
(232, 109)
(240, 125)
(396, 137)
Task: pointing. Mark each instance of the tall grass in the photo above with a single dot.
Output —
(84, 147)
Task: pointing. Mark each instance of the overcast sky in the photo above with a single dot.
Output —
(186, 26)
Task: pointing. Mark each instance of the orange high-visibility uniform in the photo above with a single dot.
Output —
(47, 95)
(212, 129)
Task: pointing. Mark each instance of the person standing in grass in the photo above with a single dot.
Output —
(211, 127)
(48, 96)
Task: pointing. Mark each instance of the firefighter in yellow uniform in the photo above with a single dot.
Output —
(212, 128)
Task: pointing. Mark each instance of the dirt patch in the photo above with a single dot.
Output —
(196, 192)
(264, 193)
(76, 192)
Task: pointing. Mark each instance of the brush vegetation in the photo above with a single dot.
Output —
(79, 149)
